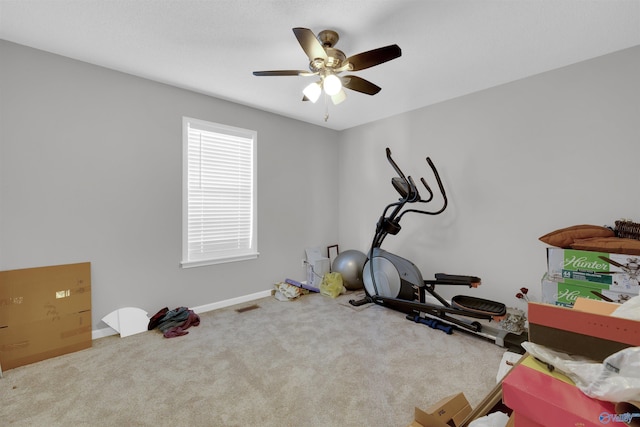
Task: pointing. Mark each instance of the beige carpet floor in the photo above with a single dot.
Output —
(315, 361)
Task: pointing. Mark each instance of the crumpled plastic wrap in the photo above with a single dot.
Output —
(287, 292)
(616, 379)
(514, 321)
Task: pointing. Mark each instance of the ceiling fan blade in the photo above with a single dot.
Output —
(360, 85)
(310, 43)
(280, 73)
(374, 57)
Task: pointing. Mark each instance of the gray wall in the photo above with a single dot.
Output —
(518, 161)
(91, 170)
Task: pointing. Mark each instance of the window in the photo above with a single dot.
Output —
(219, 194)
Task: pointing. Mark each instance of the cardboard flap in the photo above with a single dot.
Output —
(447, 412)
(427, 420)
(452, 408)
(595, 306)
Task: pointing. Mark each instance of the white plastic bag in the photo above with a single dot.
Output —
(616, 379)
(629, 310)
(619, 378)
(494, 419)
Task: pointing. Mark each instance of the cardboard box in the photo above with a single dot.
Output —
(44, 312)
(540, 397)
(564, 292)
(597, 307)
(620, 272)
(572, 331)
(448, 412)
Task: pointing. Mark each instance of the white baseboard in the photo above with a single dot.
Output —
(230, 302)
(105, 332)
(101, 333)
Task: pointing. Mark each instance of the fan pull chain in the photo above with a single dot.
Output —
(326, 107)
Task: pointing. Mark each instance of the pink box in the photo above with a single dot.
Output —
(520, 420)
(537, 397)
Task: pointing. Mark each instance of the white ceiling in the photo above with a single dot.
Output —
(449, 47)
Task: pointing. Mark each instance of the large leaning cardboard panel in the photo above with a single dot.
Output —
(44, 312)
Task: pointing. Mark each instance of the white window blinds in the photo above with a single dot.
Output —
(219, 221)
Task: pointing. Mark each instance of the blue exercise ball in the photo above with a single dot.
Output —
(350, 264)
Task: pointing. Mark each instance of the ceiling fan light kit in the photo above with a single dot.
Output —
(332, 84)
(312, 92)
(328, 63)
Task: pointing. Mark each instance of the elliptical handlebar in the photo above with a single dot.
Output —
(440, 187)
(406, 187)
(411, 193)
(394, 164)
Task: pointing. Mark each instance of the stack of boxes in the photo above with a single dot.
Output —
(540, 396)
(587, 274)
(537, 393)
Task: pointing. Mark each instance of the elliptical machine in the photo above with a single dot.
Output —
(397, 283)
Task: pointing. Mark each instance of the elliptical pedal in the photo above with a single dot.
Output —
(479, 305)
(456, 279)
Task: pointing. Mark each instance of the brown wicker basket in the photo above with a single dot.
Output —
(627, 229)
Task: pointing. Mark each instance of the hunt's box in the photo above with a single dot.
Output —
(620, 272)
(564, 292)
(44, 312)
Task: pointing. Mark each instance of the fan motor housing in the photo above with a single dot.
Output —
(335, 57)
(328, 38)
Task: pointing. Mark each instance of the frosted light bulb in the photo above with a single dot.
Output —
(332, 84)
(312, 92)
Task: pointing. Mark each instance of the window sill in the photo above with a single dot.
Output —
(205, 262)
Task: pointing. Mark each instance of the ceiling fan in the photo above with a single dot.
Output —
(328, 63)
